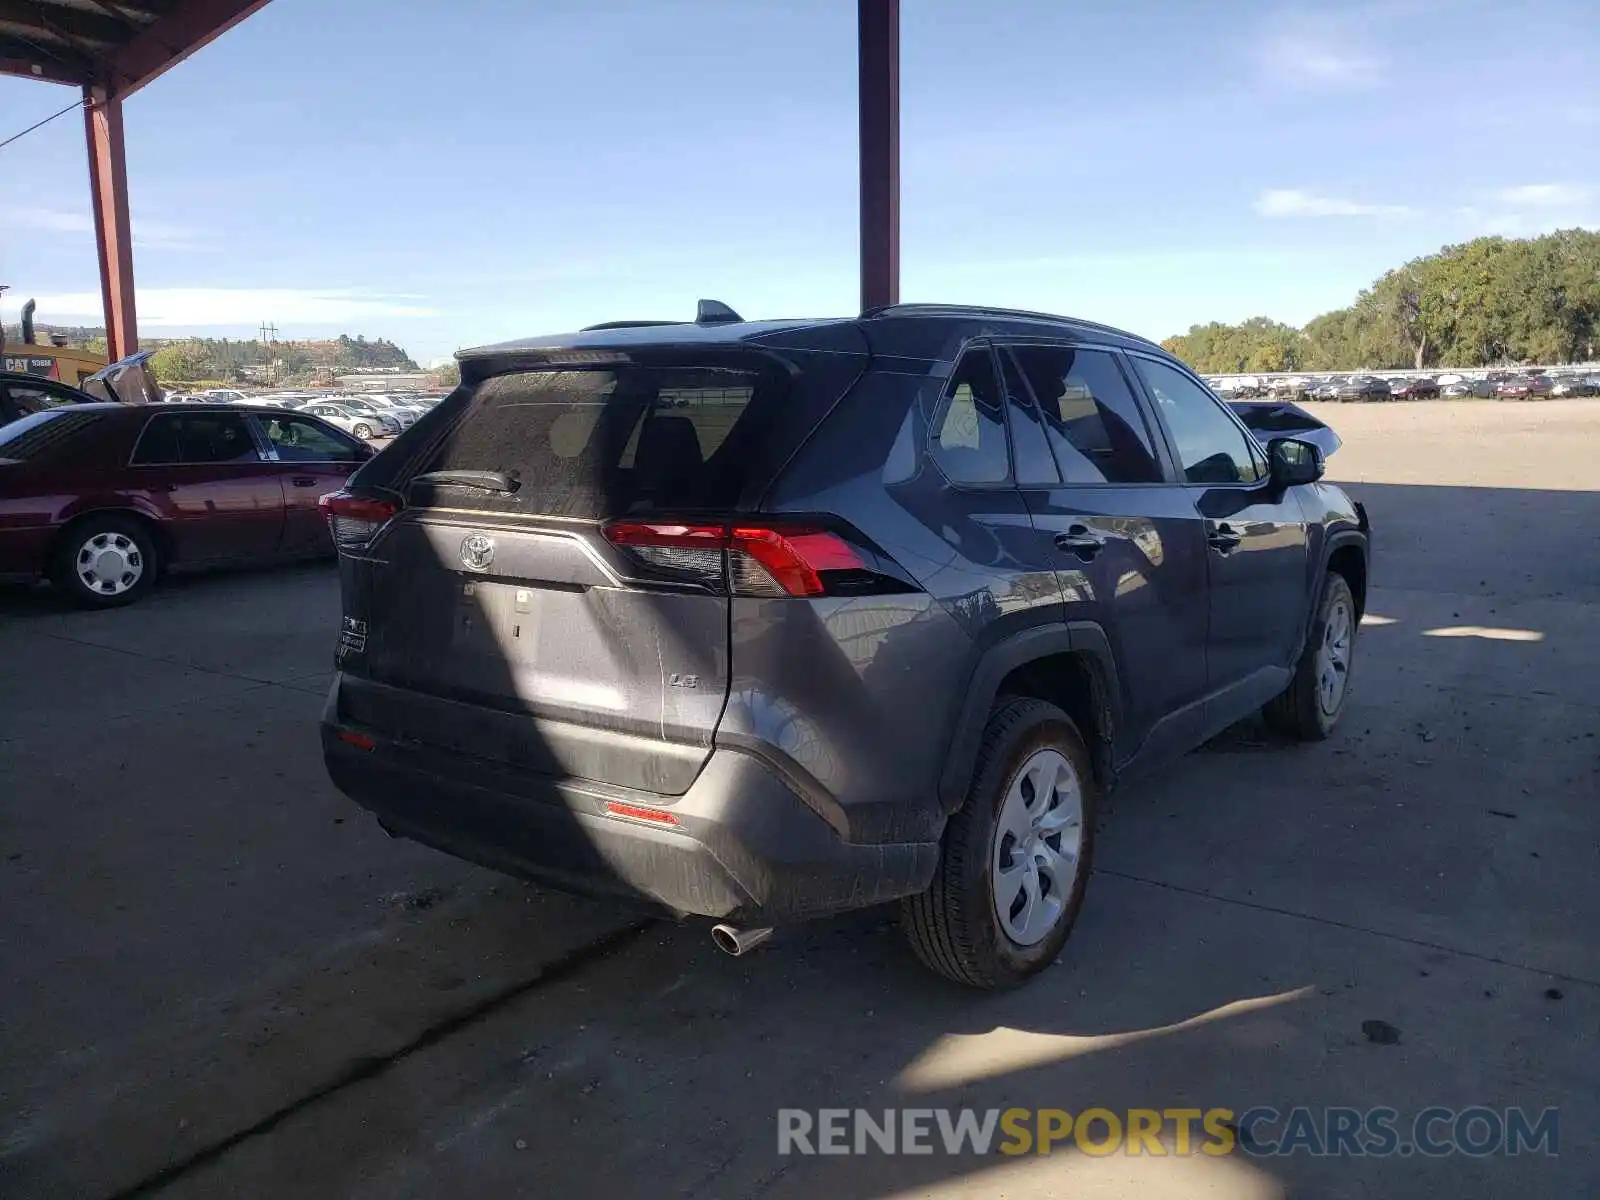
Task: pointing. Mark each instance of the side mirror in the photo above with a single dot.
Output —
(1293, 461)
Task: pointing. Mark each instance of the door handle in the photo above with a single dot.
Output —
(304, 481)
(1224, 539)
(1081, 540)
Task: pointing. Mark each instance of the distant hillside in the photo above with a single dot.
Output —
(76, 335)
(185, 360)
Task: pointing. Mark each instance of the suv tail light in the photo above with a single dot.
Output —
(355, 520)
(800, 559)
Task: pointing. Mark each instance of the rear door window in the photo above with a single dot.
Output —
(203, 437)
(1090, 414)
(597, 443)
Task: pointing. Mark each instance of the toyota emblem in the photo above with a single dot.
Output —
(477, 551)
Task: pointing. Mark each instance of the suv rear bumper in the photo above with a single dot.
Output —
(744, 846)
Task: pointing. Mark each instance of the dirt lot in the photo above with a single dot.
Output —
(220, 978)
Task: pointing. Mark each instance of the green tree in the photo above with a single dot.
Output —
(181, 362)
(1491, 300)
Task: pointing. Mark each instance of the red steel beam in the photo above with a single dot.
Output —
(108, 187)
(174, 36)
(878, 100)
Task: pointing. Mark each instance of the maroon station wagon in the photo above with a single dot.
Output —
(101, 498)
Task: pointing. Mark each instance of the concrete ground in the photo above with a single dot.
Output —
(218, 977)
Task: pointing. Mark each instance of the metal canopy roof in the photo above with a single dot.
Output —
(114, 46)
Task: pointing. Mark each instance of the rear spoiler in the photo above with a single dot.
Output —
(1269, 419)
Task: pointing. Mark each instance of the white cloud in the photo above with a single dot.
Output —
(1315, 53)
(204, 307)
(47, 220)
(1291, 202)
(154, 235)
(1544, 195)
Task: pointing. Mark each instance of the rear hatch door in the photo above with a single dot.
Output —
(494, 597)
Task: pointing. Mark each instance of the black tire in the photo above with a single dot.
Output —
(953, 926)
(362, 430)
(127, 536)
(1301, 712)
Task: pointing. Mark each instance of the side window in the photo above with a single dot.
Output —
(969, 433)
(158, 443)
(1090, 414)
(206, 437)
(1030, 445)
(1211, 448)
(297, 439)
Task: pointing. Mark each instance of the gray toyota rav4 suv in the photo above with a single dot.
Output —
(765, 620)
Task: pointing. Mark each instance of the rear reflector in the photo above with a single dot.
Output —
(618, 809)
(751, 560)
(359, 740)
(355, 520)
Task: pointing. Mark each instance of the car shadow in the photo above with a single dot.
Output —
(661, 1068)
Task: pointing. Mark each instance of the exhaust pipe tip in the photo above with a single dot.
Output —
(735, 942)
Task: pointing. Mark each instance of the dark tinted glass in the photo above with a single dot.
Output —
(1090, 415)
(969, 436)
(1211, 448)
(37, 434)
(1036, 466)
(206, 437)
(599, 443)
(159, 442)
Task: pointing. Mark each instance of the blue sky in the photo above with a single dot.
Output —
(448, 174)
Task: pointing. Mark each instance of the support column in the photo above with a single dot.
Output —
(878, 98)
(113, 235)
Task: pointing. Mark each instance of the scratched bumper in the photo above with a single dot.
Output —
(744, 846)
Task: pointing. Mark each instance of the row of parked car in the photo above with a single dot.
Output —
(368, 415)
(1503, 385)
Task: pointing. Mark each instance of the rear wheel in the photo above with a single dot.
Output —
(1016, 855)
(1311, 705)
(105, 561)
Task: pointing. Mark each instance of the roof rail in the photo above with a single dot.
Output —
(893, 310)
(626, 325)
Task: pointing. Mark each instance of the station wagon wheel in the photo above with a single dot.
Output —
(1015, 857)
(105, 561)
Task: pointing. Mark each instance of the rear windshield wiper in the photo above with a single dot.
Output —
(488, 481)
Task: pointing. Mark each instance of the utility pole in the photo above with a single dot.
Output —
(269, 337)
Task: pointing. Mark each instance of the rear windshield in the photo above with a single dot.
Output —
(34, 436)
(605, 442)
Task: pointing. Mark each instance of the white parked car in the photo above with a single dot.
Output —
(400, 406)
(365, 425)
(379, 409)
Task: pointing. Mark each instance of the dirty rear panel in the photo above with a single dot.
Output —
(477, 609)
